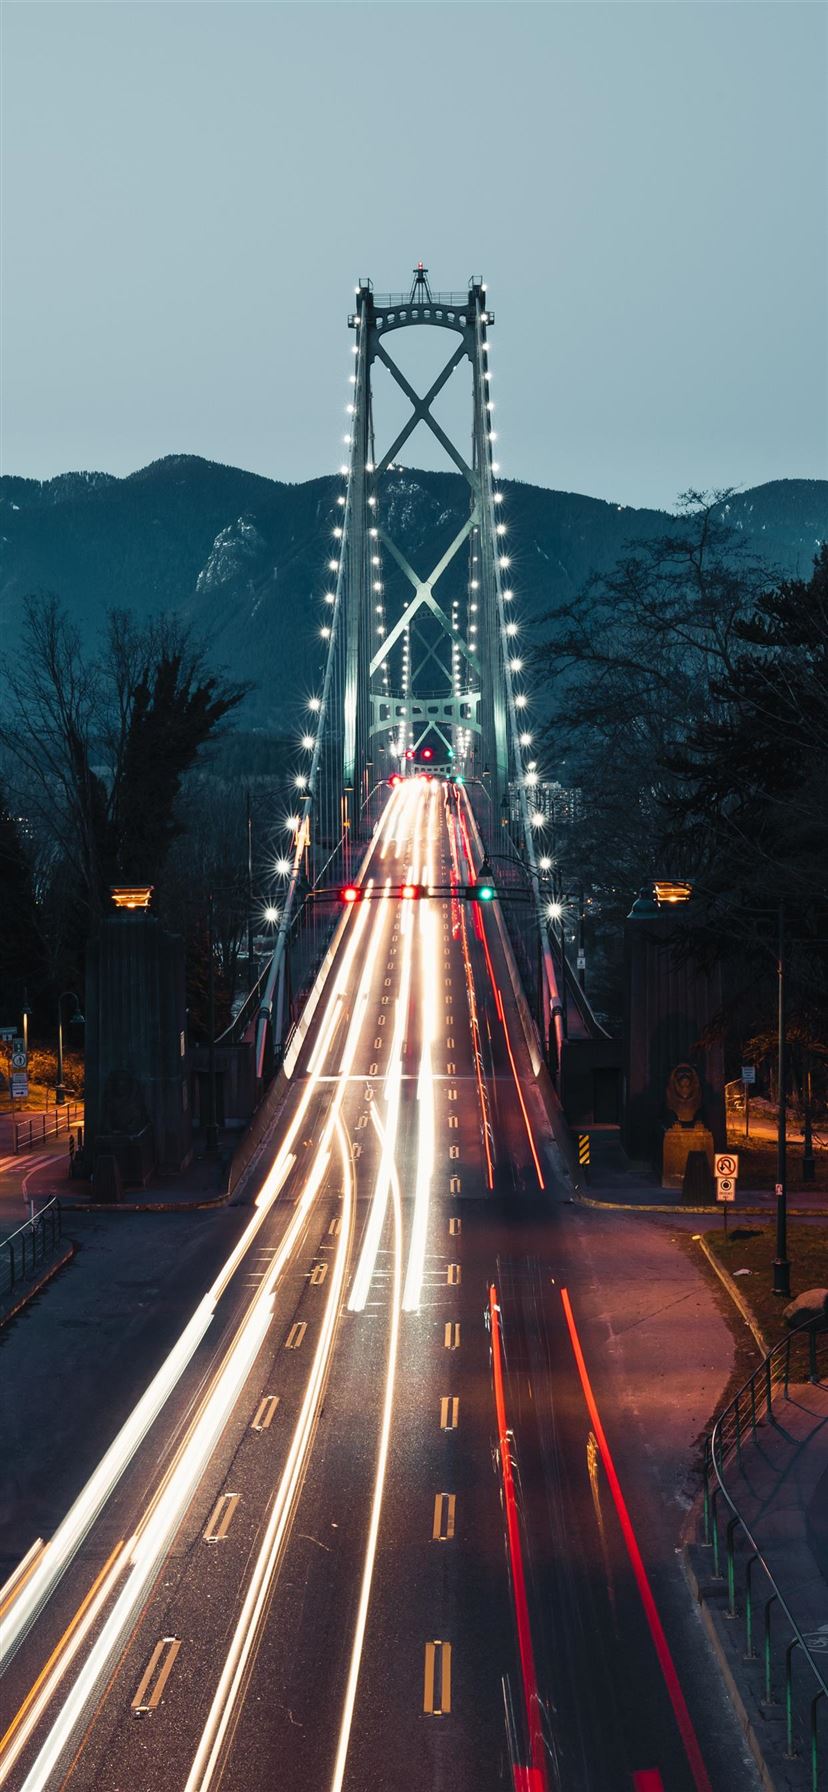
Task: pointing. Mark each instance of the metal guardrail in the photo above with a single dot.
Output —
(30, 1245)
(801, 1357)
(46, 1126)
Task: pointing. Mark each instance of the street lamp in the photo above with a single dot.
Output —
(77, 1017)
(669, 893)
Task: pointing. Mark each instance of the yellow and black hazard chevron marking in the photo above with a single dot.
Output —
(583, 1147)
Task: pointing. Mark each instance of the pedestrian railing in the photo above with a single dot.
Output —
(785, 1657)
(46, 1126)
(29, 1246)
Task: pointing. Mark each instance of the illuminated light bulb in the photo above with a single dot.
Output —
(373, 504)
(495, 466)
(377, 584)
(526, 740)
(333, 565)
(492, 435)
(554, 911)
(521, 701)
(473, 608)
(515, 665)
(301, 781)
(338, 533)
(351, 409)
(531, 779)
(511, 628)
(346, 438)
(474, 585)
(537, 819)
(544, 864)
(292, 822)
(330, 597)
(344, 472)
(369, 466)
(500, 528)
(504, 560)
(340, 499)
(270, 913)
(314, 703)
(498, 497)
(352, 378)
(490, 404)
(375, 560)
(373, 532)
(508, 595)
(379, 609)
(307, 742)
(325, 633)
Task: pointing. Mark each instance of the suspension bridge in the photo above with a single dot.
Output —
(427, 682)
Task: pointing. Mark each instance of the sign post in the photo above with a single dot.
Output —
(727, 1169)
(748, 1079)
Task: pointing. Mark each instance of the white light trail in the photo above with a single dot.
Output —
(379, 1478)
(425, 1086)
(210, 1748)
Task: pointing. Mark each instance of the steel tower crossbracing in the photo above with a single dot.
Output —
(388, 687)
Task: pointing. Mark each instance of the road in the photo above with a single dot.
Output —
(373, 1523)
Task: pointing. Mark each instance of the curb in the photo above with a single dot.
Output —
(748, 1730)
(38, 1286)
(794, 1213)
(149, 1206)
(730, 1288)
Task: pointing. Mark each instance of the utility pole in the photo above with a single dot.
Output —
(582, 939)
(781, 1266)
(212, 1122)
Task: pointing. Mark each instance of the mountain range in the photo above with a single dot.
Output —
(245, 558)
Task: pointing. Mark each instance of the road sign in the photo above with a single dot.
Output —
(8, 1033)
(19, 1057)
(748, 1073)
(726, 1164)
(778, 1191)
(725, 1188)
(580, 962)
(19, 1085)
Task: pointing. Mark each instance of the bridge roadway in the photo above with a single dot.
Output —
(299, 1574)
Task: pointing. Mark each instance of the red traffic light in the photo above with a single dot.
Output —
(410, 892)
(409, 752)
(427, 753)
(394, 779)
(350, 893)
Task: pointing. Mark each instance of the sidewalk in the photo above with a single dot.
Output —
(780, 1491)
(611, 1181)
(44, 1175)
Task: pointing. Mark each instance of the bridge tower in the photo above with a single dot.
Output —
(443, 670)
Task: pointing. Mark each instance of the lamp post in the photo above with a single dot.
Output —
(781, 1265)
(60, 1092)
(671, 893)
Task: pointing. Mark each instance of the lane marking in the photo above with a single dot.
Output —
(449, 1412)
(451, 1335)
(454, 1224)
(168, 1647)
(454, 1151)
(453, 1274)
(318, 1274)
(529, 1679)
(296, 1334)
(218, 1523)
(445, 1505)
(662, 1647)
(437, 1679)
(266, 1412)
(453, 1121)
(454, 1185)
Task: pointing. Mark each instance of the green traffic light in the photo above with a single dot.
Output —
(484, 893)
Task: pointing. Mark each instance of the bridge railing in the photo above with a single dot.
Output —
(30, 1245)
(772, 1637)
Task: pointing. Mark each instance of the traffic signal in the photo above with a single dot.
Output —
(480, 892)
(410, 892)
(395, 779)
(427, 753)
(350, 893)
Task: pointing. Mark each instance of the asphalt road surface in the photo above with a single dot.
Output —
(371, 1524)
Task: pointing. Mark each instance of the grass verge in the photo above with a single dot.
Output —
(753, 1248)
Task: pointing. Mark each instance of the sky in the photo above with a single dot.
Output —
(191, 189)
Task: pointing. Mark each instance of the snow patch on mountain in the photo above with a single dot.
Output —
(234, 556)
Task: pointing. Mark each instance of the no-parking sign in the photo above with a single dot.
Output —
(725, 1188)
